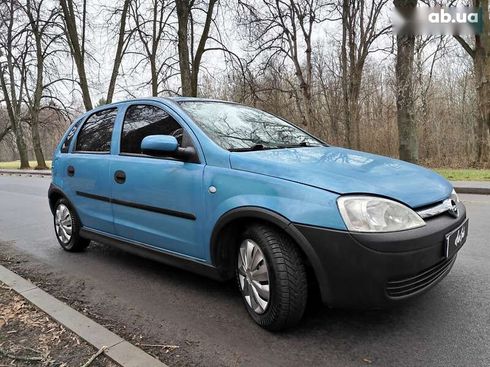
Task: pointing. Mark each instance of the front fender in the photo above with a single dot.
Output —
(244, 196)
(296, 202)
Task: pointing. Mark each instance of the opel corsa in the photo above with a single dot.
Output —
(230, 191)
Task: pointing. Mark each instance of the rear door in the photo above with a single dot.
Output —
(156, 201)
(87, 181)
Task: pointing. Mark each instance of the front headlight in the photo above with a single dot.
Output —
(375, 214)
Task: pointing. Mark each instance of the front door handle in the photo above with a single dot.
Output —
(70, 170)
(120, 177)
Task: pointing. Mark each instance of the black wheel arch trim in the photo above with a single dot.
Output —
(55, 190)
(260, 213)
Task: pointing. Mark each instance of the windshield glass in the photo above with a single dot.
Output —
(240, 128)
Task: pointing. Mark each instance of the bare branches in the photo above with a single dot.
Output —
(465, 45)
(284, 28)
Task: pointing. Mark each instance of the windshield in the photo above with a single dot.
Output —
(240, 128)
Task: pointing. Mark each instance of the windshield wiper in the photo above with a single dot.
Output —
(262, 147)
(298, 145)
(250, 149)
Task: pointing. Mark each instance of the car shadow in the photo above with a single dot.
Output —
(317, 316)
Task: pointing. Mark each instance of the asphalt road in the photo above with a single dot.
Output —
(153, 303)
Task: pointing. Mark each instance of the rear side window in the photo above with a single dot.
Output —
(143, 120)
(96, 132)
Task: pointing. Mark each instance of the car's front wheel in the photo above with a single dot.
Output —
(271, 277)
(67, 227)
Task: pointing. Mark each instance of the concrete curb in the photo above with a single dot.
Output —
(119, 350)
(27, 172)
(466, 187)
(473, 190)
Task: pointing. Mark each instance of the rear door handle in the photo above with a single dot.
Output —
(70, 170)
(120, 177)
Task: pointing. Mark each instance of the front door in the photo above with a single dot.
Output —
(156, 201)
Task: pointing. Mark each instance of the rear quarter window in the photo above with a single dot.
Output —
(66, 143)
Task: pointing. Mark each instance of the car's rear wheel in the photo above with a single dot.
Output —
(271, 277)
(67, 227)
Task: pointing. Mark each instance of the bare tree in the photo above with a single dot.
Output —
(77, 49)
(11, 40)
(284, 29)
(407, 127)
(153, 28)
(122, 44)
(360, 30)
(39, 28)
(480, 54)
(190, 60)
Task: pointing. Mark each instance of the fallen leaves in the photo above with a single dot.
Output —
(29, 337)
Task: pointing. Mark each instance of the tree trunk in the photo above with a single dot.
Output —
(183, 10)
(77, 51)
(38, 92)
(345, 75)
(482, 74)
(37, 146)
(407, 126)
(16, 125)
(191, 64)
(154, 76)
(119, 52)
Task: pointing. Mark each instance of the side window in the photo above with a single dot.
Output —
(143, 120)
(69, 138)
(96, 132)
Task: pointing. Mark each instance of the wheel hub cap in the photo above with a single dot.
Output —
(63, 223)
(253, 276)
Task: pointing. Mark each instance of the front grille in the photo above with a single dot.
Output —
(413, 284)
(436, 209)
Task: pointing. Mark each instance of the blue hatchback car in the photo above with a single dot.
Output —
(230, 191)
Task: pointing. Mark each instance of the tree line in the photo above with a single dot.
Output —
(333, 66)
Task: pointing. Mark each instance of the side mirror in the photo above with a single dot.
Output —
(167, 146)
(159, 145)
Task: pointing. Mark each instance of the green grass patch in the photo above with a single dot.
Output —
(16, 164)
(464, 174)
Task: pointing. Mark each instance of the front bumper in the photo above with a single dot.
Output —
(374, 270)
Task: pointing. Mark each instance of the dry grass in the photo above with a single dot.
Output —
(16, 164)
(465, 174)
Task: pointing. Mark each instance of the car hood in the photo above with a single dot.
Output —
(347, 171)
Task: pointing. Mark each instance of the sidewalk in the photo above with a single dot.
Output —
(16, 291)
(27, 172)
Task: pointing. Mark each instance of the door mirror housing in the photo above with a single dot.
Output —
(166, 146)
(159, 145)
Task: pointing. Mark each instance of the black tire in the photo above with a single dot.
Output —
(288, 290)
(75, 243)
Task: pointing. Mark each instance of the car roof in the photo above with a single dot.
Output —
(173, 99)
